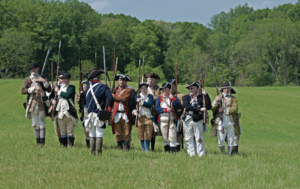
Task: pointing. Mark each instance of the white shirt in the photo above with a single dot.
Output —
(143, 110)
(164, 105)
(63, 105)
(227, 118)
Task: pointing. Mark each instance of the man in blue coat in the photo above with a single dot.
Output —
(96, 95)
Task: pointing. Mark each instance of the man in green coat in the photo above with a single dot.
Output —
(228, 126)
(65, 113)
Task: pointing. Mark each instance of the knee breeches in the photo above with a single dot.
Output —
(38, 118)
(144, 128)
(172, 139)
(228, 133)
(66, 126)
(122, 130)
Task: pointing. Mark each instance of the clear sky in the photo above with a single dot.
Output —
(177, 10)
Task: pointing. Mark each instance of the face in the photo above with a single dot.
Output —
(34, 71)
(150, 81)
(192, 90)
(226, 90)
(60, 80)
(143, 89)
(166, 91)
(122, 83)
(173, 88)
(66, 81)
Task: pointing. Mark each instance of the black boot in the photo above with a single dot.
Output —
(93, 145)
(234, 150)
(87, 143)
(60, 142)
(38, 143)
(152, 143)
(126, 146)
(119, 145)
(64, 142)
(71, 141)
(99, 143)
(42, 141)
(167, 148)
(173, 149)
(178, 148)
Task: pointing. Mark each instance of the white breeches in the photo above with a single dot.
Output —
(172, 139)
(38, 118)
(235, 141)
(194, 137)
(96, 132)
(229, 133)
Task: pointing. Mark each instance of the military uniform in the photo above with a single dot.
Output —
(144, 125)
(65, 113)
(161, 106)
(229, 122)
(193, 126)
(36, 109)
(121, 115)
(155, 92)
(96, 95)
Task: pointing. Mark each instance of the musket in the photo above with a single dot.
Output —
(42, 72)
(52, 73)
(138, 104)
(220, 103)
(57, 70)
(96, 57)
(104, 65)
(143, 68)
(80, 74)
(115, 70)
(204, 103)
(176, 78)
(171, 106)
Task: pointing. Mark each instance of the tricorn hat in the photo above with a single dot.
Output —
(94, 73)
(66, 76)
(172, 81)
(164, 85)
(86, 75)
(194, 83)
(33, 65)
(122, 77)
(226, 85)
(144, 84)
(151, 75)
(60, 72)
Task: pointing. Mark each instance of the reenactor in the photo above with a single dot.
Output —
(227, 127)
(144, 125)
(121, 113)
(65, 117)
(153, 89)
(166, 106)
(51, 95)
(193, 125)
(96, 95)
(179, 113)
(35, 87)
(81, 100)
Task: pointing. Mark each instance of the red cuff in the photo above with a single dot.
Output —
(173, 99)
(165, 110)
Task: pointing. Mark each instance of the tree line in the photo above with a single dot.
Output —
(248, 47)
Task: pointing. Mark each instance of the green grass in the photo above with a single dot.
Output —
(268, 154)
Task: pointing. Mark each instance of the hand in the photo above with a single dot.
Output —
(221, 110)
(53, 102)
(204, 92)
(40, 79)
(168, 109)
(218, 98)
(50, 109)
(56, 89)
(135, 113)
(138, 100)
(171, 96)
(203, 109)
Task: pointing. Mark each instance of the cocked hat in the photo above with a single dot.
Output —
(122, 77)
(164, 85)
(194, 83)
(94, 73)
(151, 75)
(33, 65)
(226, 85)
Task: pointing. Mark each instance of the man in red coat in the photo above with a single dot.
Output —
(121, 116)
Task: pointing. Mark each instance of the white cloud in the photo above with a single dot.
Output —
(261, 5)
(99, 6)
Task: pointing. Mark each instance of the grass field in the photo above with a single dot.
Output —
(268, 157)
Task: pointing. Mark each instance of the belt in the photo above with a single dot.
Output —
(120, 111)
(191, 113)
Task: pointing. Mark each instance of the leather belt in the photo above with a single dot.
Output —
(191, 113)
(120, 111)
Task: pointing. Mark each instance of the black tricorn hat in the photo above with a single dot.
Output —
(60, 72)
(65, 75)
(194, 83)
(172, 81)
(94, 73)
(33, 65)
(226, 85)
(151, 75)
(85, 82)
(122, 77)
(86, 75)
(144, 84)
(164, 85)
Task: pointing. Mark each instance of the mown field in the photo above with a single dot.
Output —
(268, 154)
